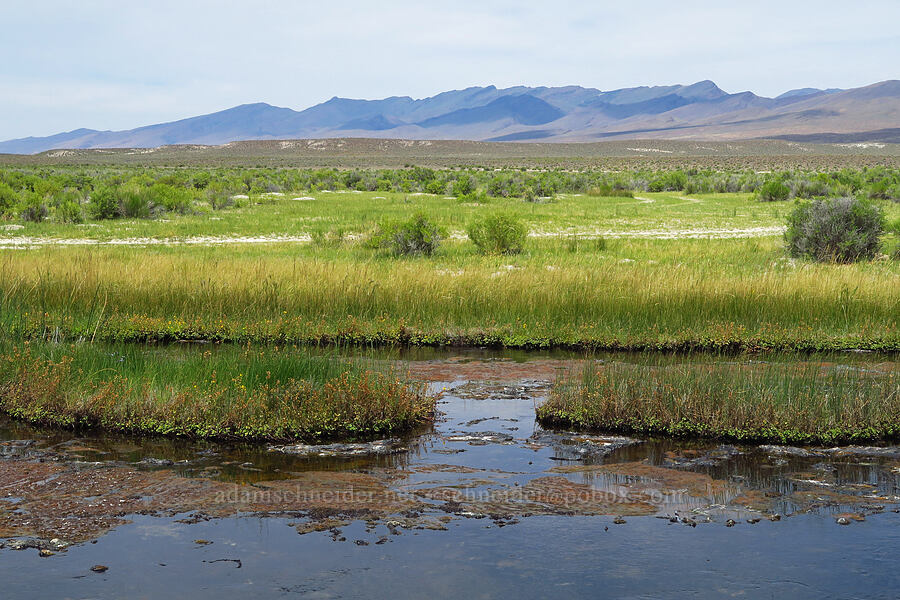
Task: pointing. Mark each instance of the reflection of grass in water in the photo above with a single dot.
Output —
(784, 401)
(230, 393)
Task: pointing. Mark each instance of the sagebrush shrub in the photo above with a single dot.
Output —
(35, 212)
(498, 234)
(835, 230)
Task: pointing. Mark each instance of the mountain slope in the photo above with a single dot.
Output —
(571, 113)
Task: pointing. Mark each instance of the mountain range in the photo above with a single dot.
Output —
(701, 111)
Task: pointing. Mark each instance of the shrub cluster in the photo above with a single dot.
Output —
(70, 194)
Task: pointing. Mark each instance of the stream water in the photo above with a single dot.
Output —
(485, 504)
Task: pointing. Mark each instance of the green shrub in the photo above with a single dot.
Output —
(135, 203)
(104, 204)
(498, 234)
(416, 236)
(173, 199)
(464, 185)
(8, 198)
(773, 191)
(69, 211)
(895, 229)
(219, 196)
(836, 229)
(435, 186)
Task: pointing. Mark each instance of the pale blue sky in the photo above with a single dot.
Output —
(120, 64)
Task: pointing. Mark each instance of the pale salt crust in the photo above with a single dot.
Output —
(652, 234)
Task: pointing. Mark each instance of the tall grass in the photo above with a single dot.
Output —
(785, 401)
(226, 392)
(692, 294)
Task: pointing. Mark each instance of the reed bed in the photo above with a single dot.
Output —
(239, 393)
(781, 400)
(692, 294)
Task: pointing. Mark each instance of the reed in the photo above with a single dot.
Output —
(692, 294)
(245, 393)
(782, 400)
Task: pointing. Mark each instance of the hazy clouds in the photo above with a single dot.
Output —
(115, 65)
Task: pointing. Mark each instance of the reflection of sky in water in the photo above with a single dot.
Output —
(486, 447)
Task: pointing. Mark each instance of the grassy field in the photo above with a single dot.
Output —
(773, 399)
(660, 288)
(225, 392)
(301, 214)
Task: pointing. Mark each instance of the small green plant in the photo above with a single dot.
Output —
(895, 229)
(328, 239)
(498, 234)
(835, 230)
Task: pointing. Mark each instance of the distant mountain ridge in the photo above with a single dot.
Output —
(565, 114)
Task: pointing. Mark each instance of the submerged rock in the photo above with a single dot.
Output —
(691, 458)
(839, 451)
(578, 446)
(51, 546)
(481, 438)
(374, 448)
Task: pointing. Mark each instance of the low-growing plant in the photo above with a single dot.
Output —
(835, 230)
(328, 239)
(498, 234)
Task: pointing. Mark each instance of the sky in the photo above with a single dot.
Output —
(117, 65)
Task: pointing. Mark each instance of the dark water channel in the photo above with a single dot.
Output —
(484, 505)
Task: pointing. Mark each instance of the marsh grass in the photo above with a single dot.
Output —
(780, 400)
(667, 294)
(224, 392)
